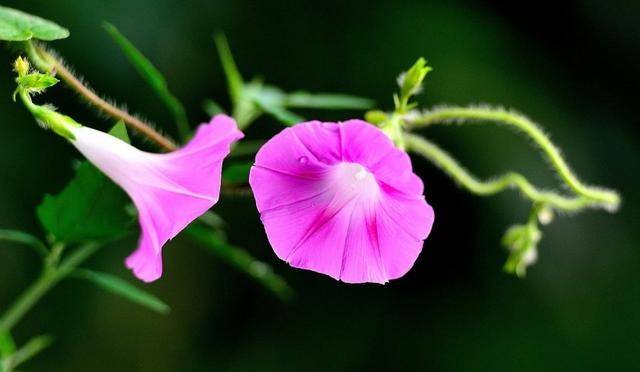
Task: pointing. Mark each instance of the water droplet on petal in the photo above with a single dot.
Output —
(303, 160)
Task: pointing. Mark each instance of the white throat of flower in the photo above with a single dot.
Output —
(354, 179)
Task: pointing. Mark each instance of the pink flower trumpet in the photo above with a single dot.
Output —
(342, 200)
(169, 190)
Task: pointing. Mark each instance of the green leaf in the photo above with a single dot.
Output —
(120, 131)
(281, 114)
(90, 207)
(212, 108)
(212, 220)
(19, 26)
(36, 82)
(285, 116)
(245, 109)
(153, 77)
(240, 259)
(237, 173)
(21, 237)
(246, 147)
(271, 100)
(124, 289)
(32, 348)
(328, 101)
(234, 79)
(266, 94)
(7, 346)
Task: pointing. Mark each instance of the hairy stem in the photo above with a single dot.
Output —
(47, 62)
(477, 115)
(49, 278)
(450, 166)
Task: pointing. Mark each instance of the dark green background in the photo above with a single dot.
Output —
(574, 66)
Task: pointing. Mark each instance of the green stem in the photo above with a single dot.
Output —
(7, 348)
(244, 110)
(28, 351)
(48, 62)
(41, 286)
(54, 257)
(240, 259)
(450, 166)
(34, 56)
(477, 115)
(49, 118)
(234, 78)
(7, 345)
(26, 239)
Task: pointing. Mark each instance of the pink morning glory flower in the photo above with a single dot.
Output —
(342, 200)
(169, 190)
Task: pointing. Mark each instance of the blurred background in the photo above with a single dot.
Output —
(573, 66)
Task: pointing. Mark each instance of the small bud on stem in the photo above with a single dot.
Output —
(29, 83)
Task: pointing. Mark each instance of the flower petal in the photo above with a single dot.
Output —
(162, 215)
(291, 151)
(353, 211)
(406, 223)
(376, 151)
(169, 190)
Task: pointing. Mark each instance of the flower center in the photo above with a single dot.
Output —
(353, 178)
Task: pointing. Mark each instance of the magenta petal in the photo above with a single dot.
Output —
(340, 199)
(169, 190)
(375, 151)
(145, 262)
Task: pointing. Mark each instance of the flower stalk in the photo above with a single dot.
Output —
(49, 63)
(51, 275)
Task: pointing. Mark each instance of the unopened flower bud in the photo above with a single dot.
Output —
(376, 117)
(21, 66)
(411, 81)
(522, 243)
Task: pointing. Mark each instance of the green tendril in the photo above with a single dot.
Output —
(588, 195)
(452, 167)
(521, 240)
